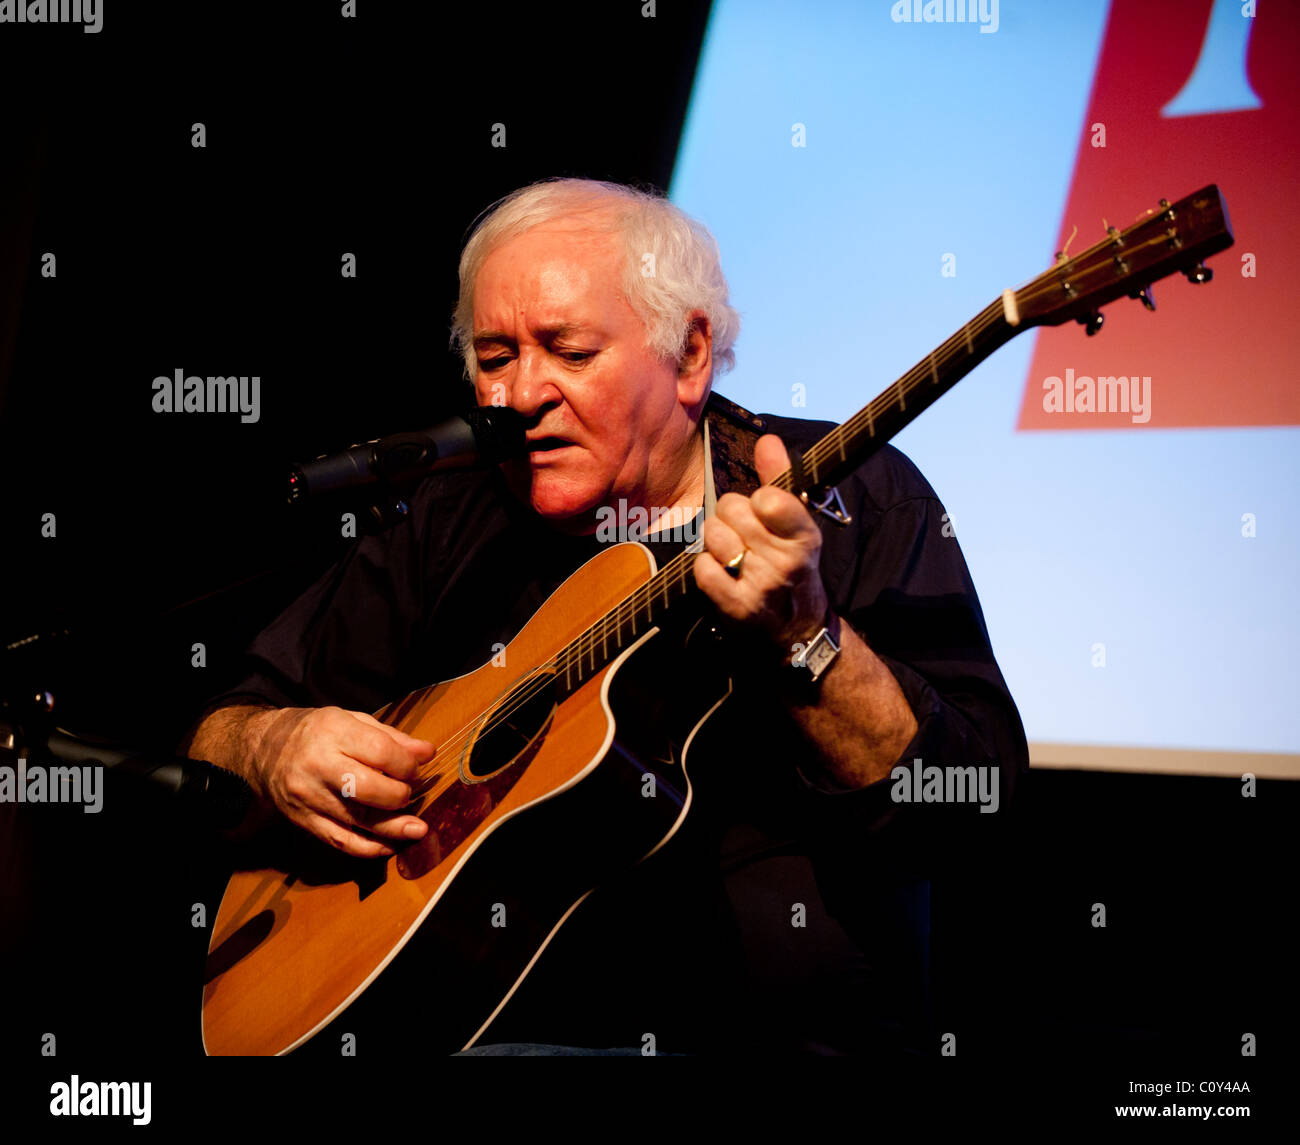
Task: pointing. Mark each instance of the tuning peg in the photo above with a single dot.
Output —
(1091, 323)
(1199, 273)
(1145, 295)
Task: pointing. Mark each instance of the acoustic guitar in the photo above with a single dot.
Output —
(571, 765)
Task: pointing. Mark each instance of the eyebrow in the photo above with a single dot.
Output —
(544, 333)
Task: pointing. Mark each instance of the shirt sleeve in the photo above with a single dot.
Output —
(346, 639)
(902, 583)
(399, 609)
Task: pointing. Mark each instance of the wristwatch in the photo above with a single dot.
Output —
(811, 662)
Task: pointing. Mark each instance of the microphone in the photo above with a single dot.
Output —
(480, 437)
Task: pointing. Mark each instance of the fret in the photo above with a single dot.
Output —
(902, 402)
(581, 659)
(970, 346)
(934, 370)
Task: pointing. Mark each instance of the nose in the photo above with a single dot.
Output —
(530, 390)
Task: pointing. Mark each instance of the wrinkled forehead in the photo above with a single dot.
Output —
(550, 271)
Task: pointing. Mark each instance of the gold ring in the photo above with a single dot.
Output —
(733, 565)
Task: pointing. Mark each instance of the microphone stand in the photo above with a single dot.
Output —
(215, 797)
(30, 738)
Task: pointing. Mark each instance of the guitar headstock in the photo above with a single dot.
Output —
(1172, 238)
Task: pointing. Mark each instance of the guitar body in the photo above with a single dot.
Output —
(480, 896)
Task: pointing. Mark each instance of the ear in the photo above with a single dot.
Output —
(695, 370)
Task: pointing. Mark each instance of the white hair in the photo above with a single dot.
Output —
(685, 275)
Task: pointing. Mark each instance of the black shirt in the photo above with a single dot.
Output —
(786, 913)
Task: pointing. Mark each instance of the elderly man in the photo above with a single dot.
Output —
(600, 314)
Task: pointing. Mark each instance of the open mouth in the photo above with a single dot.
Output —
(548, 444)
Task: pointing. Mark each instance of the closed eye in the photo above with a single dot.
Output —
(575, 356)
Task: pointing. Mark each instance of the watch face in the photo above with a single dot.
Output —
(820, 656)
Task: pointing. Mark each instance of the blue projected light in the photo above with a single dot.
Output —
(922, 147)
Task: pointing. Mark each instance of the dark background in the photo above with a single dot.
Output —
(372, 136)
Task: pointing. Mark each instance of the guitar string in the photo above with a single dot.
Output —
(543, 675)
(575, 651)
(539, 678)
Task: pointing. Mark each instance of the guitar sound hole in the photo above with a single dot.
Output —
(513, 731)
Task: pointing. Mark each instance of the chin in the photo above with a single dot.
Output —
(560, 503)
(554, 496)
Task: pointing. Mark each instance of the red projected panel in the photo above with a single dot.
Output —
(1187, 93)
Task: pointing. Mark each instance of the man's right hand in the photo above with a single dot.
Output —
(340, 775)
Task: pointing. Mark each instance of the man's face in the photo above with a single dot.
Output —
(556, 340)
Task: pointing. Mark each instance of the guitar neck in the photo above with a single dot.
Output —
(846, 447)
(832, 459)
(1172, 238)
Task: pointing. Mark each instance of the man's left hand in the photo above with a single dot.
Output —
(779, 590)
